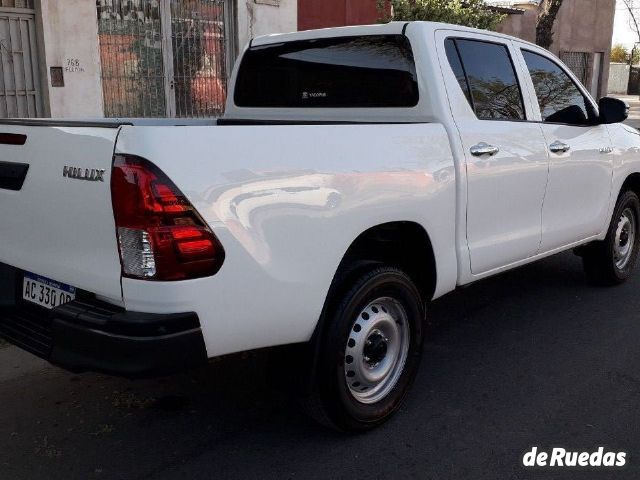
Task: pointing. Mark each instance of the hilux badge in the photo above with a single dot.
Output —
(89, 174)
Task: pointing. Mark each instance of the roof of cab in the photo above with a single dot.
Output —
(391, 28)
(382, 29)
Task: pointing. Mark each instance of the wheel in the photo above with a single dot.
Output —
(370, 352)
(611, 261)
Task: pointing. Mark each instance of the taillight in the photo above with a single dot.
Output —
(161, 235)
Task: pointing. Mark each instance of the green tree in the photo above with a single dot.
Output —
(619, 53)
(470, 13)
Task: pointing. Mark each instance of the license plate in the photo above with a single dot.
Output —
(46, 292)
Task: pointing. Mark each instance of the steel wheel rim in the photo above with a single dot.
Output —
(625, 239)
(376, 350)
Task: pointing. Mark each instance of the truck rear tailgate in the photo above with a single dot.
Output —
(60, 227)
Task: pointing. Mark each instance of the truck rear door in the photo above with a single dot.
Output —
(56, 216)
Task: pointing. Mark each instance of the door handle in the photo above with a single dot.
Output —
(559, 147)
(483, 148)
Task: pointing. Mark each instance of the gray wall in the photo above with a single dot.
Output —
(68, 34)
(619, 78)
(582, 26)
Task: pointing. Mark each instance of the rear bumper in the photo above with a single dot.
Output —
(87, 335)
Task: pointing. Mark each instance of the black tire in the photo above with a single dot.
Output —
(332, 402)
(599, 258)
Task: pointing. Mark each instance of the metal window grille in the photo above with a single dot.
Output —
(17, 4)
(578, 62)
(20, 94)
(164, 57)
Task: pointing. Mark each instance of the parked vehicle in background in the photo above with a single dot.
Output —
(358, 174)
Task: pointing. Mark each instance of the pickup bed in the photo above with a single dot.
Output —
(358, 174)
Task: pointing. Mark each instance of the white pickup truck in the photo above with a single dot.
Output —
(358, 174)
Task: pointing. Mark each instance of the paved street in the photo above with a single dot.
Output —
(634, 113)
(533, 357)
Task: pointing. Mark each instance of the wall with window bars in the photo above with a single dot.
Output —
(167, 58)
(173, 58)
(71, 68)
(16, 3)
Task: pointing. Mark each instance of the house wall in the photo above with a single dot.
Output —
(619, 78)
(262, 17)
(584, 26)
(521, 26)
(68, 38)
(336, 13)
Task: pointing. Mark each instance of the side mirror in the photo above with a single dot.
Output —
(612, 110)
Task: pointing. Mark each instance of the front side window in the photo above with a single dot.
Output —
(348, 72)
(491, 82)
(560, 99)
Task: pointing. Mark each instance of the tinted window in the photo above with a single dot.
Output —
(368, 71)
(492, 80)
(560, 99)
(456, 66)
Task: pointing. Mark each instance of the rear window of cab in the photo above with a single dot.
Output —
(374, 71)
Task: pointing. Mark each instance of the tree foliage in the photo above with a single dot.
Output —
(621, 54)
(470, 13)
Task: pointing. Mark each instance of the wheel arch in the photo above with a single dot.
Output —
(403, 244)
(632, 182)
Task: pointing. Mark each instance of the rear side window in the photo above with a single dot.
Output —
(491, 83)
(456, 66)
(347, 72)
(560, 100)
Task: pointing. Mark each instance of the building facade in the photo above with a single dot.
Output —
(147, 58)
(582, 32)
(172, 58)
(582, 36)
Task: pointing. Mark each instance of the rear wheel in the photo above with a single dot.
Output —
(611, 261)
(370, 352)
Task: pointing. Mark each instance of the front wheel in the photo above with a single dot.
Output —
(370, 351)
(611, 261)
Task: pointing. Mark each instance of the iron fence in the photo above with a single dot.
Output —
(16, 4)
(164, 57)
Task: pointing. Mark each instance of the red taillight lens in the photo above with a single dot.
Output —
(161, 235)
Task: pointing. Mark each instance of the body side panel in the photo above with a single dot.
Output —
(286, 202)
(625, 142)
